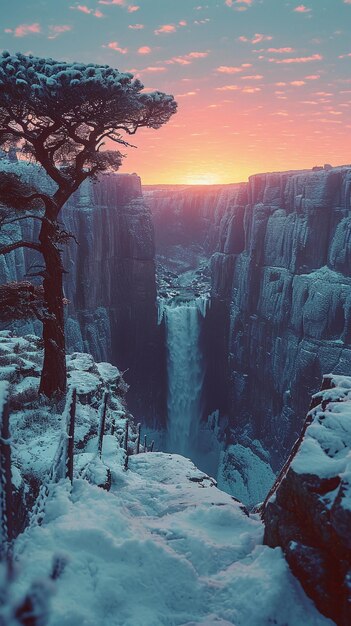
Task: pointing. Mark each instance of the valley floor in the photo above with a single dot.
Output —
(164, 547)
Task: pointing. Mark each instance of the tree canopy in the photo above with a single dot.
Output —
(61, 115)
(71, 109)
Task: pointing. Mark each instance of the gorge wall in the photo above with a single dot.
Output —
(289, 300)
(110, 283)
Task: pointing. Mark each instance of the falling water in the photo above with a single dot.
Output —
(186, 373)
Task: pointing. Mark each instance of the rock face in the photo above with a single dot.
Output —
(110, 285)
(282, 276)
(308, 511)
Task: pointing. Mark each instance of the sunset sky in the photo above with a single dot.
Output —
(261, 85)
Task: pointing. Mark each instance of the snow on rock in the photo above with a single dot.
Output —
(308, 512)
(164, 547)
(37, 424)
(244, 474)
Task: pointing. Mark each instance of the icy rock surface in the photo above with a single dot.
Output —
(281, 304)
(110, 285)
(37, 425)
(308, 512)
(164, 547)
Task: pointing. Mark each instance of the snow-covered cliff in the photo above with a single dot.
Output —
(288, 297)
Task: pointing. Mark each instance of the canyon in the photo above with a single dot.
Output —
(249, 283)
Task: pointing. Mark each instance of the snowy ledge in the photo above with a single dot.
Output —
(164, 547)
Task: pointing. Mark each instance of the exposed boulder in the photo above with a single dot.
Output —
(308, 511)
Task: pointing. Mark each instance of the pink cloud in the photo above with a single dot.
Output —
(252, 77)
(144, 50)
(185, 95)
(228, 88)
(251, 89)
(312, 77)
(166, 28)
(25, 29)
(257, 38)
(84, 9)
(297, 83)
(58, 29)
(231, 3)
(233, 69)
(182, 23)
(117, 2)
(113, 45)
(280, 50)
(302, 9)
(186, 59)
(344, 56)
(132, 8)
(313, 57)
(136, 26)
(154, 69)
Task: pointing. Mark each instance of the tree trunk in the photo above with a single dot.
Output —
(53, 376)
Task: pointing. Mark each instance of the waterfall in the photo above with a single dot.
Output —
(186, 372)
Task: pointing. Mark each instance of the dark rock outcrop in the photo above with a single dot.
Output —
(308, 511)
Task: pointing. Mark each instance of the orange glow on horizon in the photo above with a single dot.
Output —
(236, 138)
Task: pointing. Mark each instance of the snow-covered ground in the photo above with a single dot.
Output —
(164, 547)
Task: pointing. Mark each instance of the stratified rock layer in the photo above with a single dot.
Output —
(286, 292)
(308, 511)
(110, 282)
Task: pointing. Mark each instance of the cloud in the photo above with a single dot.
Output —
(154, 69)
(232, 3)
(302, 9)
(186, 59)
(297, 83)
(228, 88)
(279, 50)
(252, 77)
(313, 57)
(136, 26)
(166, 28)
(144, 50)
(251, 89)
(257, 38)
(187, 94)
(58, 29)
(344, 56)
(132, 8)
(113, 45)
(233, 69)
(312, 77)
(169, 28)
(117, 2)
(24, 29)
(84, 9)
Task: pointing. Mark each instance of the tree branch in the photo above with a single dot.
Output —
(20, 244)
